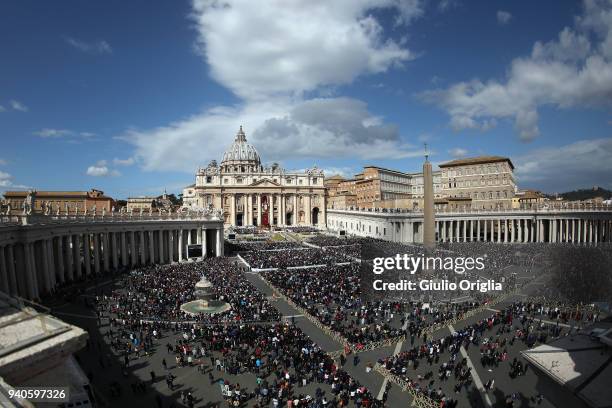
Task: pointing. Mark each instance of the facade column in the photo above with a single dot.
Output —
(96, 243)
(591, 231)
(443, 231)
(233, 209)
(464, 230)
(520, 230)
(258, 209)
(87, 254)
(114, 250)
(308, 209)
(281, 209)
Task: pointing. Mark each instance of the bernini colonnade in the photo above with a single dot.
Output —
(587, 225)
(37, 253)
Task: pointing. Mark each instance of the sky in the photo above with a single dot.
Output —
(132, 97)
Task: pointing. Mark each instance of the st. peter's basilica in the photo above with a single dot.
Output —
(251, 194)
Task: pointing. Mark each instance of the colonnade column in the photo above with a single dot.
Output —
(180, 245)
(61, 267)
(204, 241)
(4, 279)
(87, 254)
(151, 238)
(10, 266)
(141, 247)
(51, 262)
(96, 252)
(74, 256)
(484, 236)
(114, 250)
(219, 240)
(123, 248)
(171, 246)
(160, 246)
(133, 260)
(105, 243)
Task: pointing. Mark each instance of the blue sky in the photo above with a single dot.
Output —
(130, 97)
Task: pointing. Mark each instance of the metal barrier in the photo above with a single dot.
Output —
(419, 399)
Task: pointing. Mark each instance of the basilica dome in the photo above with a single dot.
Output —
(241, 156)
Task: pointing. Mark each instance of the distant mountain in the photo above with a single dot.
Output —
(585, 194)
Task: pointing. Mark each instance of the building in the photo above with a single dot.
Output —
(249, 193)
(62, 201)
(487, 181)
(527, 198)
(378, 187)
(149, 204)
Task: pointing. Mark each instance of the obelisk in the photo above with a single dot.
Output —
(429, 233)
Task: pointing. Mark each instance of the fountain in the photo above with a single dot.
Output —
(205, 302)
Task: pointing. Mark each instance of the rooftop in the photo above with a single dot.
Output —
(31, 342)
(476, 160)
(579, 362)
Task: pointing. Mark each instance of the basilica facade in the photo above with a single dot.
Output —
(249, 193)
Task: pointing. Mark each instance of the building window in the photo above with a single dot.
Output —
(208, 179)
(314, 180)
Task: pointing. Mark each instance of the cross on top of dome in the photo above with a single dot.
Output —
(240, 136)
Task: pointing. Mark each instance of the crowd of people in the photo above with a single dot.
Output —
(429, 363)
(157, 292)
(245, 246)
(296, 257)
(144, 315)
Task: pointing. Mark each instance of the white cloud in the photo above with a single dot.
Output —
(18, 106)
(2, 108)
(581, 164)
(503, 17)
(458, 152)
(271, 55)
(6, 180)
(445, 5)
(326, 127)
(575, 70)
(123, 162)
(261, 49)
(52, 133)
(3, 162)
(101, 169)
(96, 47)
